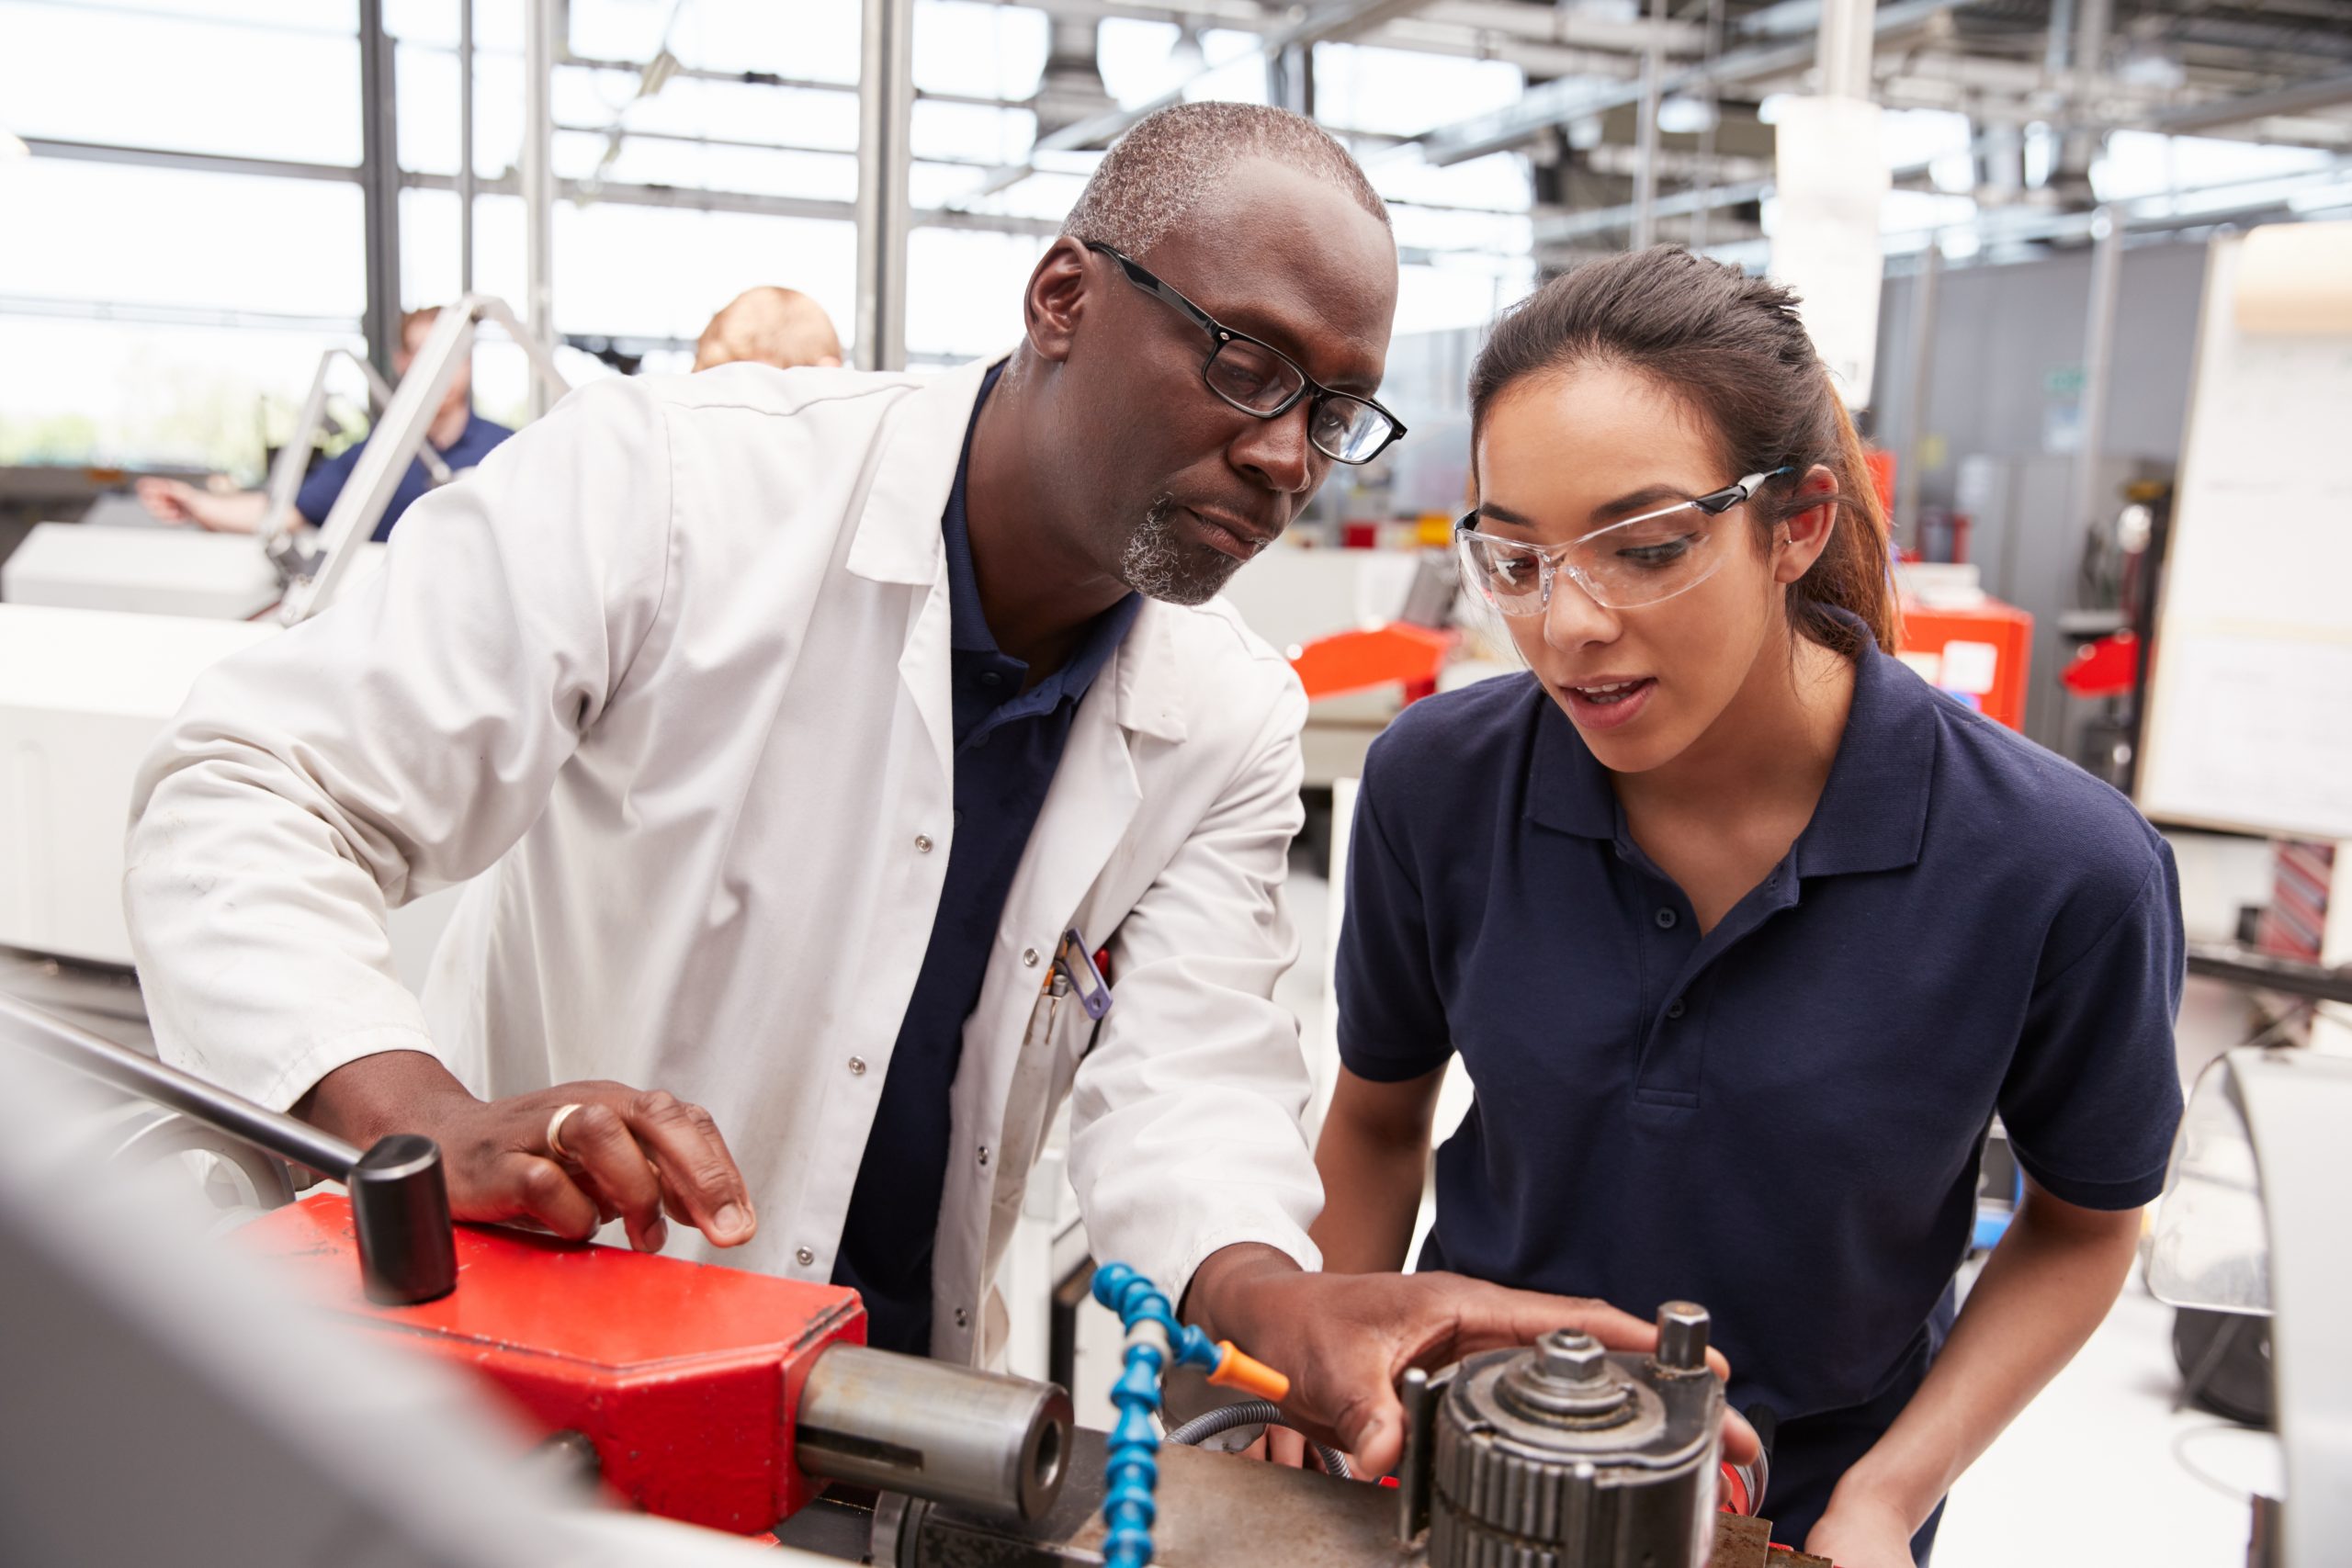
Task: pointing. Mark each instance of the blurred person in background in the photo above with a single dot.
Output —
(462, 437)
(768, 325)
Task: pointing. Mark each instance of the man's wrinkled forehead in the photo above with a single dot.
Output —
(1281, 256)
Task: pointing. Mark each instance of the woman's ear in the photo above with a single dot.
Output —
(1057, 291)
(1799, 540)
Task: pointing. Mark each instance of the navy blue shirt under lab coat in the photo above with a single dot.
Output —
(1780, 1119)
(1008, 744)
(324, 482)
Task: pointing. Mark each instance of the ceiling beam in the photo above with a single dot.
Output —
(2189, 119)
(1555, 102)
(1333, 23)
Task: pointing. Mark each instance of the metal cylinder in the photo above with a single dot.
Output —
(949, 1434)
(1682, 1336)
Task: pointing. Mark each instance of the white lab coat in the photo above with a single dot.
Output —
(669, 675)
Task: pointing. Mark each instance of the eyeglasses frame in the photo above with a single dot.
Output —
(1220, 335)
(1552, 560)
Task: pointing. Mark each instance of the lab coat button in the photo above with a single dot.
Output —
(1029, 956)
(922, 843)
(963, 1318)
(857, 1067)
(803, 1256)
(984, 1153)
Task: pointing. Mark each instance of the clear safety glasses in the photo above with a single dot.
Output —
(1262, 381)
(1640, 561)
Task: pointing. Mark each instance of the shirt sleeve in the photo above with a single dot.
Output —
(323, 483)
(395, 745)
(2093, 1099)
(1392, 1017)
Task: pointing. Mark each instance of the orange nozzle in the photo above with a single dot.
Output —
(1235, 1370)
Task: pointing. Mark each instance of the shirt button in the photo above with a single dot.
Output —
(990, 678)
(857, 1067)
(1029, 956)
(984, 1153)
(922, 843)
(803, 1256)
(1674, 1008)
(1665, 917)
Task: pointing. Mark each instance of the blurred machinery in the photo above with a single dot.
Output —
(2250, 1226)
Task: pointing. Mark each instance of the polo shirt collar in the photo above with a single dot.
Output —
(1873, 811)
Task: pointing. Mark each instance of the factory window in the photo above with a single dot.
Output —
(128, 76)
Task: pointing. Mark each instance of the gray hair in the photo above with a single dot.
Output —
(1163, 166)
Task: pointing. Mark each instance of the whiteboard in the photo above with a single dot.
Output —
(2250, 702)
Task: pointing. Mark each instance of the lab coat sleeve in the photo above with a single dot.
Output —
(1185, 1118)
(397, 744)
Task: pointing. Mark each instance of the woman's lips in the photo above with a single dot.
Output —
(1607, 705)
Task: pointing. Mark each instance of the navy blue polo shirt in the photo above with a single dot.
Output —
(324, 482)
(1780, 1119)
(1007, 743)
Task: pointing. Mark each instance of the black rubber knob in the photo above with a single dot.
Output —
(400, 1211)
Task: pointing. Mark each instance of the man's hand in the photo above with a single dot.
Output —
(1344, 1339)
(176, 501)
(172, 500)
(632, 1154)
(1861, 1532)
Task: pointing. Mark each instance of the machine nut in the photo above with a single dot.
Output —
(1571, 1356)
(1682, 1336)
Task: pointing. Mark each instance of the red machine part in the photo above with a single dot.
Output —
(2000, 633)
(1351, 661)
(686, 1378)
(2108, 668)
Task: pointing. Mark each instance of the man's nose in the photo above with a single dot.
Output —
(1277, 453)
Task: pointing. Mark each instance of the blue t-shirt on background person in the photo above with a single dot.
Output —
(325, 482)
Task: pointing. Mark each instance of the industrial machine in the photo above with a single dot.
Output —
(749, 1405)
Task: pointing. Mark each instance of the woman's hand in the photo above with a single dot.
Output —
(1344, 1339)
(1861, 1532)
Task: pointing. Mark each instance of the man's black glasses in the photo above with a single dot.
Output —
(1261, 379)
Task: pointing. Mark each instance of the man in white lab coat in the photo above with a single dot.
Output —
(787, 723)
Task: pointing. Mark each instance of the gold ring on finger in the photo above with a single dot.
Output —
(555, 1129)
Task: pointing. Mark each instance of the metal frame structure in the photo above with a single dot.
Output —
(285, 473)
(399, 436)
(2027, 70)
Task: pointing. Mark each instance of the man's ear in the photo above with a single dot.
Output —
(1056, 298)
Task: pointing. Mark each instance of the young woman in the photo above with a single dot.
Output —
(1742, 930)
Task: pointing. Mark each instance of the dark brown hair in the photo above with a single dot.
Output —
(1732, 347)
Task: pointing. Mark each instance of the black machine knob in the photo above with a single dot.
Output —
(400, 1212)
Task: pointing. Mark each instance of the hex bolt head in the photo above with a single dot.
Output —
(1682, 1335)
(1571, 1356)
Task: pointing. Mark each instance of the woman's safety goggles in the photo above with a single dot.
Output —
(1639, 561)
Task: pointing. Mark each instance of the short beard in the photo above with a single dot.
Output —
(1160, 563)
